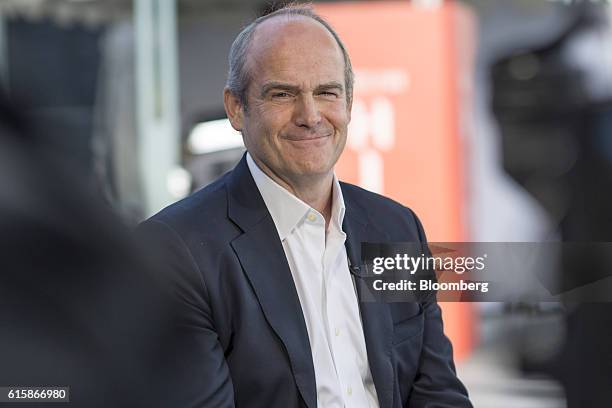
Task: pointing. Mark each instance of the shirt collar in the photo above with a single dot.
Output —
(287, 210)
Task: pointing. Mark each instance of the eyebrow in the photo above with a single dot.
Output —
(278, 85)
(330, 85)
(295, 89)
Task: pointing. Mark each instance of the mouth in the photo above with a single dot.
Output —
(308, 138)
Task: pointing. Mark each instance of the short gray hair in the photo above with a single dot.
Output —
(238, 78)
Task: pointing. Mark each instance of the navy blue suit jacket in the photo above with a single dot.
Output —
(241, 327)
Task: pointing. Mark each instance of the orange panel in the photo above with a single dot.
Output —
(404, 141)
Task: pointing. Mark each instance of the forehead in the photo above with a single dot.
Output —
(294, 48)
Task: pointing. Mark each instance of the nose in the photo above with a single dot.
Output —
(306, 112)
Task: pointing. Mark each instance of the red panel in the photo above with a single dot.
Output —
(404, 141)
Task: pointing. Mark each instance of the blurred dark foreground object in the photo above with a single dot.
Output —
(80, 306)
(554, 108)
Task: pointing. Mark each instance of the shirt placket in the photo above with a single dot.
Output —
(341, 340)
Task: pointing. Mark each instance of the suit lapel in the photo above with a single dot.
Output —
(263, 259)
(375, 316)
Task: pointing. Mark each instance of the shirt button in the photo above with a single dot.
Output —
(337, 331)
(349, 391)
(312, 217)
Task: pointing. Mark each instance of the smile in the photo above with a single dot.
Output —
(306, 139)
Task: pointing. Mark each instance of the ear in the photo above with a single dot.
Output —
(233, 109)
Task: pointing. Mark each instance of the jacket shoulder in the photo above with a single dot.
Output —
(373, 201)
(206, 207)
(390, 215)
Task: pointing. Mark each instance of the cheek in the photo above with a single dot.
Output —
(263, 139)
(260, 123)
(272, 120)
(339, 117)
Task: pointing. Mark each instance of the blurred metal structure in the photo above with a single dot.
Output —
(3, 56)
(104, 11)
(156, 98)
(63, 12)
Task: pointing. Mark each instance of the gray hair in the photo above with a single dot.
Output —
(238, 77)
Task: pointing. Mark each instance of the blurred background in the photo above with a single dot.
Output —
(490, 118)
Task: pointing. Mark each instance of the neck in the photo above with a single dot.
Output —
(318, 195)
(316, 191)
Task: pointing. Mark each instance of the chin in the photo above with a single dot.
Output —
(314, 169)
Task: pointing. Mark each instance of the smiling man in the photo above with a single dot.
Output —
(261, 260)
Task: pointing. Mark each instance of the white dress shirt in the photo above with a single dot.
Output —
(319, 266)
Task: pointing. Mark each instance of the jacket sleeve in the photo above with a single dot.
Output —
(436, 384)
(192, 366)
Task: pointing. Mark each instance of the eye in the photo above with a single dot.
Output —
(329, 94)
(281, 95)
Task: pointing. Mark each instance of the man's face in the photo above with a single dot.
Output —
(295, 125)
